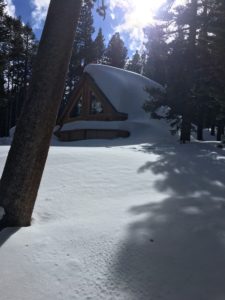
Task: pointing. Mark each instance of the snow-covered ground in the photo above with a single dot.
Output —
(128, 219)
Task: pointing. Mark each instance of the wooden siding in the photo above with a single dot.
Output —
(86, 88)
(84, 134)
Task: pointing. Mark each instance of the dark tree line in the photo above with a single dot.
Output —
(17, 51)
(186, 53)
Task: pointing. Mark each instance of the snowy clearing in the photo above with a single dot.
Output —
(130, 219)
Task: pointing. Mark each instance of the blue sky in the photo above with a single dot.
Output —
(128, 17)
(24, 8)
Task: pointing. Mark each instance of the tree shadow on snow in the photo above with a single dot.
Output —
(6, 233)
(176, 249)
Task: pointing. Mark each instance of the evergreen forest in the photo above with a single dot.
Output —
(184, 51)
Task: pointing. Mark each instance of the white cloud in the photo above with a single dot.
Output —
(39, 12)
(137, 14)
(10, 8)
(112, 16)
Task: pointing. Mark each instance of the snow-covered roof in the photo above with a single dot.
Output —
(126, 90)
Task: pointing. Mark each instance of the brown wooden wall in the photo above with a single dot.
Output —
(87, 86)
(83, 134)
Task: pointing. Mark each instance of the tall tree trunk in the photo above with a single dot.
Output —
(185, 135)
(219, 130)
(191, 57)
(200, 132)
(25, 163)
(213, 130)
(200, 122)
(4, 129)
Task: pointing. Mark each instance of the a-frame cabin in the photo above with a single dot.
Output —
(106, 104)
(89, 103)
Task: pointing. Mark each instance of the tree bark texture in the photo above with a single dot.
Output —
(200, 132)
(185, 129)
(4, 124)
(200, 124)
(26, 159)
(213, 130)
(220, 130)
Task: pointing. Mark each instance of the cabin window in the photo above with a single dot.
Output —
(96, 105)
(76, 110)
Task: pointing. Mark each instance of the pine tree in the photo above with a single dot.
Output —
(83, 49)
(99, 47)
(2, 39)
(26, 63)
(135, 64)
(191, 21)
(19, 50)
(155, 67)
(116, 52)
(194, 64)
(217, 50)
(83, 43)
(4, 42)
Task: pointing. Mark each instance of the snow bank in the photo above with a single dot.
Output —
(130, 219)
(144, 131)
(126, 223)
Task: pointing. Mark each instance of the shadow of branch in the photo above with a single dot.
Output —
(176, 249)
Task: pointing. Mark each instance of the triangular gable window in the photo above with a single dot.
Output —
(77, 109)
(96, 104)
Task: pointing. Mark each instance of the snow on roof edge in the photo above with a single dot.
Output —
(125, 89)
(90, 66)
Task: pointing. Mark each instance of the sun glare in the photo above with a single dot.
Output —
(137, 14)
(144, 10)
